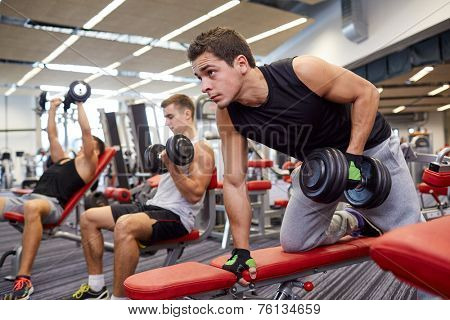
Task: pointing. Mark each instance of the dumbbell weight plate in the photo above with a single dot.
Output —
(180, 150)
(340, 176)
(153, 161)
(323, 175)
(375, 188)
(79, 91)
(386, 185)
(42, 100)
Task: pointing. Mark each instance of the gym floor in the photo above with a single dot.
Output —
(59, 269)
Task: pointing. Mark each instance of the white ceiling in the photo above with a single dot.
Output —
(150, 18)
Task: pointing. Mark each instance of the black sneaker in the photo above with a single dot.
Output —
(22, 289)
(86, 293)
(366, 228)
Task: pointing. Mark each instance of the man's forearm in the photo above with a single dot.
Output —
(82, 119)
(239, 213)
(51, 124)
(363, 117)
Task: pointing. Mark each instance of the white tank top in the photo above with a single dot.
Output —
(169, 197)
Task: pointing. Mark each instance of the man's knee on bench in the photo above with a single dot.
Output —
(98, 218)
(132, 227)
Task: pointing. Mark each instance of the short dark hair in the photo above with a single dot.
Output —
(100, 145)
(182, 101)
(224, 43)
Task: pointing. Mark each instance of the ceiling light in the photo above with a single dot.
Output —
(177, 68)
(281, 28)
(102, 14)
(184, 28)
(178, 89)
(122, 90)
(71, 40)
(380, 90)
(28, 76)
(140, 83)
(141, 51)
(447, 106)
(439, 90)
(102, 91)
(92, 77)
(223, 8)
(10, 90)
(50, 88)
(113, 65)
(190, 25)
(399, 109)
(422, 73)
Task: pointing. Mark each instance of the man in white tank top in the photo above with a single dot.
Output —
(170, 214)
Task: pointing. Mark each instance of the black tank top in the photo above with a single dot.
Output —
(60, 181)
(294, 120)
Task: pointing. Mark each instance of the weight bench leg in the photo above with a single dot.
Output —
(17, 255)
(172, 256)
(226, 233)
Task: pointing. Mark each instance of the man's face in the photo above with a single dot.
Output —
(177, 119)
(220, 81)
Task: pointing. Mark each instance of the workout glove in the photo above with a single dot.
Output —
(354, 170)
(240, 260)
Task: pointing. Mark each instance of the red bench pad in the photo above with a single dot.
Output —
(274, 262)
(21, 191)
(175, 281)
(253, 185)
(193, 235)
(281, 203)
(438, 179)
(426, 188)
(193, 278)
(260, 163)
(419, 254)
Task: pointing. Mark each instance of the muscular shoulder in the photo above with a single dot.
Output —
(312, 72)
(203, 148)
(86, 167)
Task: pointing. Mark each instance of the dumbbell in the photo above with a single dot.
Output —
(79, 91)
(324, 173)
(180, 151)
(122, 195)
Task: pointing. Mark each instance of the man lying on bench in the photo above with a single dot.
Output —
(169, 214)
(53, 190)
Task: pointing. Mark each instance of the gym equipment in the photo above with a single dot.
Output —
(418, 255)
(6, 170)
(180, 151)
(374, 188)
(323, 178)
(122, 195)
(79, 91)
(94, 200)
(274, 266)
(51, 230)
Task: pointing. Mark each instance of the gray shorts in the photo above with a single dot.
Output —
(14, 203)
(306, 223)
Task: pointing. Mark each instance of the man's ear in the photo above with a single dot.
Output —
(241, 63)
(188, 113)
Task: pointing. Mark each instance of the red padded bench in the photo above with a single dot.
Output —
(104, 160)
(418, 254)
(273, 266)
(17, 219)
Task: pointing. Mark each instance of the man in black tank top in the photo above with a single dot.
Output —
(293, 106)
(53, 190)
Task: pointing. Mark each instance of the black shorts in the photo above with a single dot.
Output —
(168, 225)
